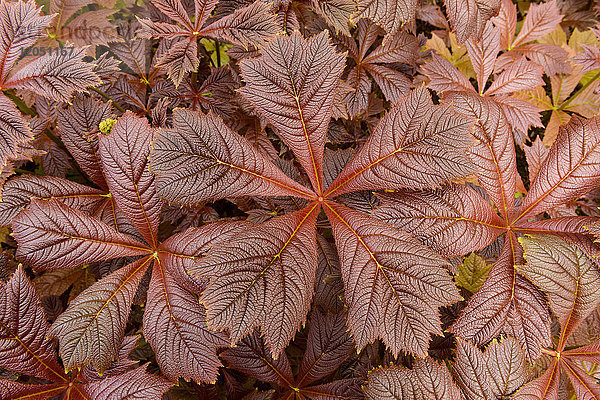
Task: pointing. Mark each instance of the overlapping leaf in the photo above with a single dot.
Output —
(18, 192)
(252, 25)
(393, 285)
(22, 26)
(566, 274)
(14, 131)
(293, 85)
(389, 14)
(77, 125)
(24, 343)
(90, 331)
(124, 154)
(264, 277)
(428, 380)
(506, 303)
(56, 76)
(54, 236)
(453, 220)
(175, 326)
(402, 152)
(469, 17)
(570, 169)
(495, 373)
(202, 159)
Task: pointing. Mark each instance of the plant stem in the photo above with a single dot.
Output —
(107, 97)
(570, 99)
(24, 108)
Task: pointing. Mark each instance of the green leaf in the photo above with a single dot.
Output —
(472, 272)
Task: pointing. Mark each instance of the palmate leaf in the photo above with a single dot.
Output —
(469, 17)
(398, 48)
(21, 27)
(14, 131)
(570, 170)
(389, 14)
(77, 125)
(506, 303)
(453, 220)
(24, 344)
(55, 76)
(90, 331)
(427, 380)
(18, 192)
(566, 274)
(252, 357)
(124, 154)
(175, 326)
(202, 159)
(268, 284)
(393, 284)
(52, 235)
(252, 25)
(328, 346)
(293, 84)
(403, 151)
(249, 26)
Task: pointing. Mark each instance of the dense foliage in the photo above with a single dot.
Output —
(300, 199)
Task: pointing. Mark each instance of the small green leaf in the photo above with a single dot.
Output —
(472, 272)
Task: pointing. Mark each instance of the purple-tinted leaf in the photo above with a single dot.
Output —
(175, 326)
(445, 77)
(24, 344)
(52, 235)
(393, 284)
(252, 357)
(453, 220)
(520, 75)
(428, 380)
(18, 192)
(402, 152)
(77, 124)
(570, 170)
(253, 25)
(55, 76)
(22, 26)
(264, 277)
(90, 331)
(389, 14)
(328, 346)
(469, 17)
(14, 130)
(293, 86)
(133, 385)
(201, 159)
(124, 153)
